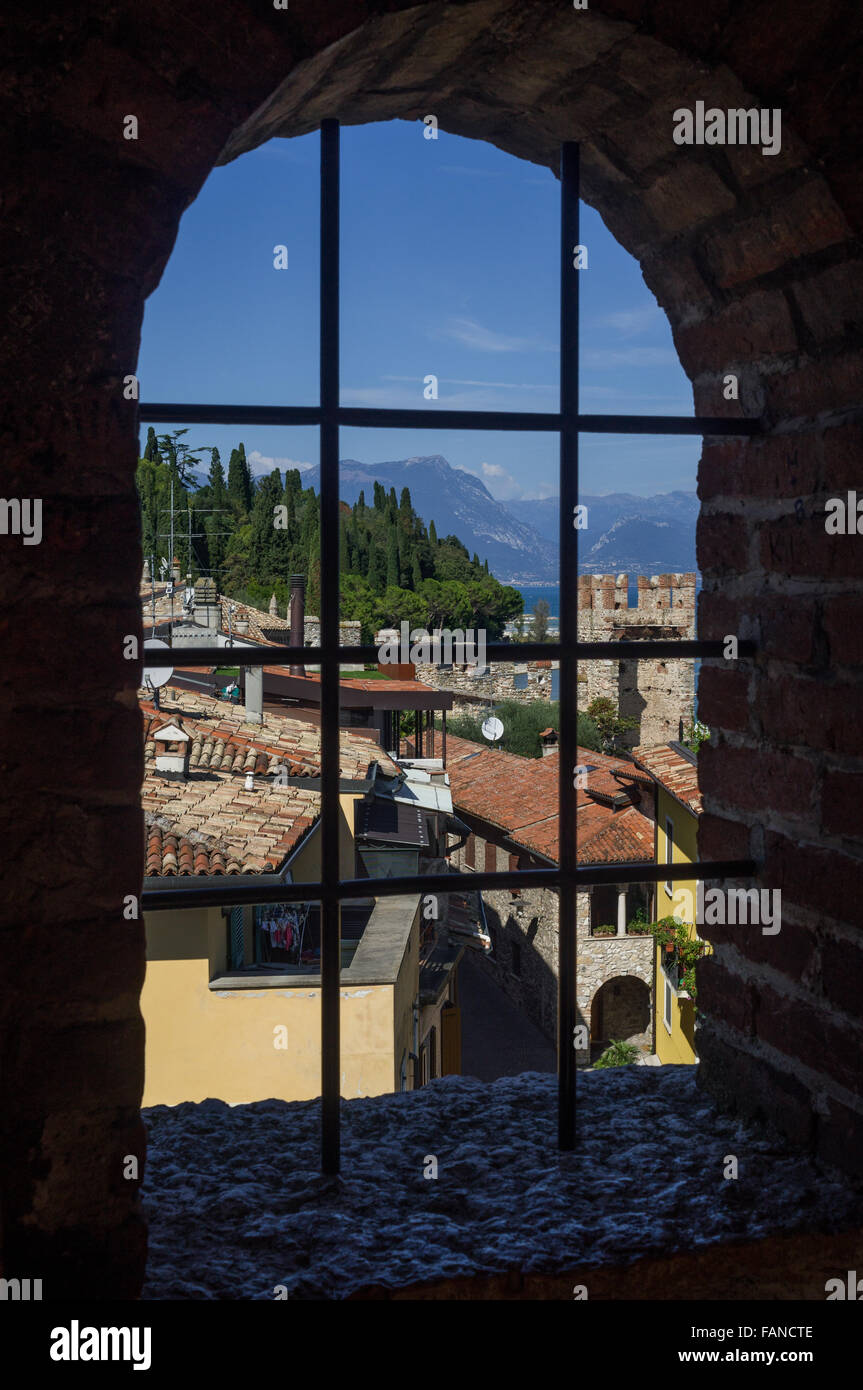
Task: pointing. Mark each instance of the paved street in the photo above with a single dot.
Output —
(497, 1039)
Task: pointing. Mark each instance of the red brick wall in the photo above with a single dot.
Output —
(755, 263)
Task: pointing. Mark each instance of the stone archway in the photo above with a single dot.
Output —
(620, 1010)
(756, 263)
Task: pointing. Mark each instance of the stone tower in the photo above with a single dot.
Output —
(659, 694)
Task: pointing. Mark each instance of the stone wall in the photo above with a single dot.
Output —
(473, 690)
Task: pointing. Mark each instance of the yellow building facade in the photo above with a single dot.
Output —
(678, 807)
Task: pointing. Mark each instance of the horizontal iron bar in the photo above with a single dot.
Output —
(667, 424)
(204, 414)
(662, 648)
(239, 890)
(368, 417)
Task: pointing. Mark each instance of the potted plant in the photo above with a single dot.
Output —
(605, 929)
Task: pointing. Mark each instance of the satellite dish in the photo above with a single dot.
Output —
(154, 675)
(492, 728)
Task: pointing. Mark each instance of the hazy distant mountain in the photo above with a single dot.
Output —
(625, 533)
(460, 505)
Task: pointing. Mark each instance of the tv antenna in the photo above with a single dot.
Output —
(156, 675)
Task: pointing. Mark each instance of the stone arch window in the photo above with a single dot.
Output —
(568, 423)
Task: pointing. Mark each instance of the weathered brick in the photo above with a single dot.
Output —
(760, 325)
(804, 221)
(841, 804)
(798, 544)
(723, 698)
(822, 880)
(722, 544)
(843, 624)
(831, 301)
(801, 1030)
(805, 711)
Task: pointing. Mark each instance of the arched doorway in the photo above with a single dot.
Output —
(620, 1010)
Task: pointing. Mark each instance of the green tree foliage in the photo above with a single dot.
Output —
(522, 725)
(257, 533)
(539, 626)
(610, 724)
(151, 452)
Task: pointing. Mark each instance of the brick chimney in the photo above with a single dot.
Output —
(298, 618)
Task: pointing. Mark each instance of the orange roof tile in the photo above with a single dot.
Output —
(673, 772)
(520, 796)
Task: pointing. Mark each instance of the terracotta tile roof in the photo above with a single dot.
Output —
(520, 796)
(207, 822)
(260, 623)
(357, 682)
(220, 731)
(673, 772)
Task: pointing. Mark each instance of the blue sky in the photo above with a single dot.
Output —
(449, 267)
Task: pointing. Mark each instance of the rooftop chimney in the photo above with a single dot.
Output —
(298, 618)
(274, 607)
(172, 750)
(254, 692)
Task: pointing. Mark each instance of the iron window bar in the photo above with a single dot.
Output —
(569, 423)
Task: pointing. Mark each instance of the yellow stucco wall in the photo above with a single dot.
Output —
(678, 1045)
(203, 1043)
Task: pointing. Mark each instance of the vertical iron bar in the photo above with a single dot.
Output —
(567, 1019)
(329, 521)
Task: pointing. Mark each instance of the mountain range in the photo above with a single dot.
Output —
(625, 533)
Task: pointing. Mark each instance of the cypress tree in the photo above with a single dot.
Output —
(237, 482)
(392, 559)
(380, 497)
(377, 571)
(432, 534)
(151, 452)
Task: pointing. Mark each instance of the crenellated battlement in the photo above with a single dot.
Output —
(609, 593)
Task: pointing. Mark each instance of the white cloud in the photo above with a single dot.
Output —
(630, 322)
(475, 335)
(599, 359)
(263, 463)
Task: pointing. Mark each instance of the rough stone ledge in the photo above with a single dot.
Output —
(237, 1204)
